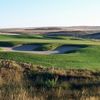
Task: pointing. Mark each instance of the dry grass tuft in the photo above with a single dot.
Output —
(22, 81)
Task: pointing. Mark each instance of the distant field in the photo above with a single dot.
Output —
(20, 39)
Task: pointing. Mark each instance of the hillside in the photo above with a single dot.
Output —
(50, 63)
(92, 32)
(23, 81)
(52, 29)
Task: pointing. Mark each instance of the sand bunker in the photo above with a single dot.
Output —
(31, 49)
(66, 48)
(26, 47)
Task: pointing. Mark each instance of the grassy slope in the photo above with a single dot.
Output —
(41, 39)
(29, 82)
(86, 58)
(48, 46)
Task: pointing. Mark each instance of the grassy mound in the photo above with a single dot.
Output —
(1, 49)
(8, 44)
(48, 46)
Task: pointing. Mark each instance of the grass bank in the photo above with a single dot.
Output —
(87, 58)
(22, 81)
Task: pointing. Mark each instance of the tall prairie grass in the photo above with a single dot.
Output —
(22, 81)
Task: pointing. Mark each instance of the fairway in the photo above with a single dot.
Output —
(83, 58)
(42, 39)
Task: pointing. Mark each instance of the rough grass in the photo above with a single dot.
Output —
(22, 81)
(8, 44)
(1, 49)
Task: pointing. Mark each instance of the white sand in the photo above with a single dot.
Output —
(30, 49)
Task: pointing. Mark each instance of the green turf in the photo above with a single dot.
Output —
(42, 39)
(88, 57)
(23, 36)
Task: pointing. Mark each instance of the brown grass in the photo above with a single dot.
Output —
(20, 81)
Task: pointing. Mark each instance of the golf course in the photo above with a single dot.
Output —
(50, 50)
(32, 64)
(65, 52)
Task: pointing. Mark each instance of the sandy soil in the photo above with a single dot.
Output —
(30, 49)
(25, 47)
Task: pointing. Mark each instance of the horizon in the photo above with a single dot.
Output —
(49, 13)
(34, 27)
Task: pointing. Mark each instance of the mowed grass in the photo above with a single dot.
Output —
(42, 39)
(86, 58)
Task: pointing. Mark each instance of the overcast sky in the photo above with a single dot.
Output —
(38, 13)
